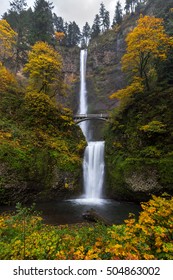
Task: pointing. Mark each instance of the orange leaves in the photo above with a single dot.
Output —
(7, 79)
(147, 38)
(126, 94)
(45, 69)
(135, 87)
(59, 36)
(148, 238)
(145, 42)
(7, 40)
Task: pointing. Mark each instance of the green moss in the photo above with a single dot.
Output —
(37, 139)
(139, 141)
(165, 168)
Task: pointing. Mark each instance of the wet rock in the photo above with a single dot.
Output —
(92, 216)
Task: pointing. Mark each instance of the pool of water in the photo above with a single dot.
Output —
(70, 211)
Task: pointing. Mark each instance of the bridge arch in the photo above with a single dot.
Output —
(85, 117)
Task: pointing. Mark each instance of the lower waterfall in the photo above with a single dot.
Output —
(93, 170)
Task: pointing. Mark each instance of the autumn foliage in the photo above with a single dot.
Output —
(59, 36)
(135, 87)
(45, 69)
(7, 40)
(149, 237)
(7, 79)
(146, 42)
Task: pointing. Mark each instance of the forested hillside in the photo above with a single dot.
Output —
(41, 147)
(139, 138)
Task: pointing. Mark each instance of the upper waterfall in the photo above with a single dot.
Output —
(83, 104)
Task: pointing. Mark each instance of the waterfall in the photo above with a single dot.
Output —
(93, 169)
(93, 162)
(83, 104)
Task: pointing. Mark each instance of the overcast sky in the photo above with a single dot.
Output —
(73, 10)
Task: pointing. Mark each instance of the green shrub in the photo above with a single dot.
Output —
(24, 236)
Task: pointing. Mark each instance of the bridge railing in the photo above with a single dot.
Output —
(83, 116)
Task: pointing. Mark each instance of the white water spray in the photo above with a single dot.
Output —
(93, 163)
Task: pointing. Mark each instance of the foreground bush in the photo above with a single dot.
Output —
(24, 236)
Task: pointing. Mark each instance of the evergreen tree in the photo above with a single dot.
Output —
(73, 35)
(106, 22)
(127, 6)
(19, 19)
(104, 18)
(85, 35)
(131, 5)
(18, 6)
(60, 29)
(58, 23)
(42, 27)
(118, 14)
(102, 12)
(95, 31)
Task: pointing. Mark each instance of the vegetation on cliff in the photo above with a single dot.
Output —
(139, 136)
(41, 147)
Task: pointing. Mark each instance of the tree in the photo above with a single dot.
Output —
(7, 41)
(73, 35)
(95, 31)
(106, 22)
(118, 14)
(58, 23)
(59, 36)
(130, 6)
(7, 79)
(45, 70)
(42, 27)
(18, 6)
(86, 35)
(146, 43)
(17, 17)
(104, 17)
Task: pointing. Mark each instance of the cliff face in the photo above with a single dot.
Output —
(71, 69)
(104, 74)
